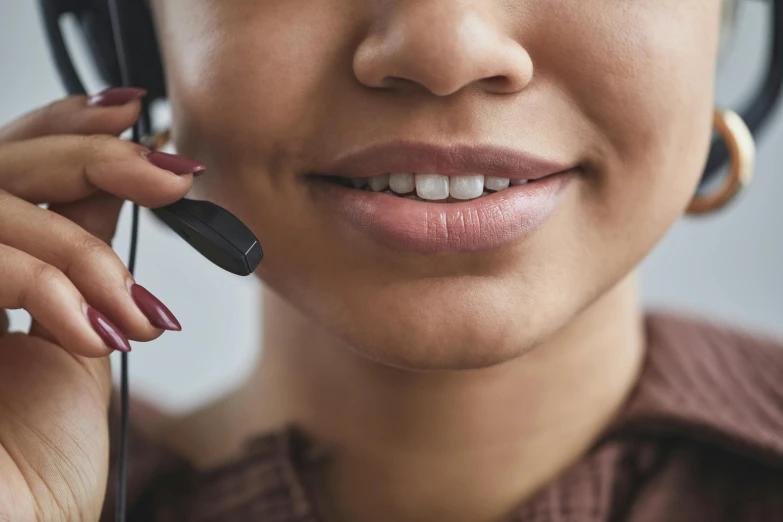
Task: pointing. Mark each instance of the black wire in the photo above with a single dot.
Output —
(122, 458)
(122, 455)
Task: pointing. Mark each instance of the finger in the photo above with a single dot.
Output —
(109, 112)
(97, 214)
(50, 297)
(60, 169)
(40, 331)
(90, 263)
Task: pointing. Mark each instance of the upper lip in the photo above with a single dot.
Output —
(422, 158)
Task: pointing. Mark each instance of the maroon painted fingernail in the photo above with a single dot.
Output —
(110, 334)
(116, 96)
(174, 163)
(157, 313)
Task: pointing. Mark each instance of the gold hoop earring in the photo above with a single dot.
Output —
(742, 159)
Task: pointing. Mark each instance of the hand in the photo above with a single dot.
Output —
(57, 264)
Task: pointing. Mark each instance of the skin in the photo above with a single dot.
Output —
(413, 368)
(634, 107)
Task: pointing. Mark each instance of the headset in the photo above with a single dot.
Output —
(122, 42)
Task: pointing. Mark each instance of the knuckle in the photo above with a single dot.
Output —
(83, 255)
(43, 277)
(45, 274)
(97, 153)
(90, 247)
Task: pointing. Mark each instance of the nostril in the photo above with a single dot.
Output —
(500, 84)
(401, 84)
(497, 82)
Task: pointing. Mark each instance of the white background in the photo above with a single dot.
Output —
(728, 266)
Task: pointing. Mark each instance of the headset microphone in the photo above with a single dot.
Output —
(216, 233)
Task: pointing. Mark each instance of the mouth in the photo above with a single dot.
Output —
(425, 199)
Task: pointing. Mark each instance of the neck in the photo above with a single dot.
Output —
(404, 441)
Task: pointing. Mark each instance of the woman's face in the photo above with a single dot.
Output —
(613, 98)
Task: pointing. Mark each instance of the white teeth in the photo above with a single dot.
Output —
(435, 187)
(379, 182)
(402, 183)
(493, 183)
(432, 187)
(466, 187)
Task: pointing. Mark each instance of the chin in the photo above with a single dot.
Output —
(434, 351)
(444, 329)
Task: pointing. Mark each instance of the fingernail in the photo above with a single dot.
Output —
(157, 313)
(116, 96)
(174, 163)
(110, 334)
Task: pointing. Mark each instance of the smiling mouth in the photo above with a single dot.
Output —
(428, 199)
(435, 188)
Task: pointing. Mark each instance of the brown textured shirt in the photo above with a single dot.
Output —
(700, 439)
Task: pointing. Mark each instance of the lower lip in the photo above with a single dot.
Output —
(421, 227)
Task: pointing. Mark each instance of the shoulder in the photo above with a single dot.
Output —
(667, 332)
(706, 419)
(711, 383)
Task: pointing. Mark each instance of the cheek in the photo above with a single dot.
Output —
(245, 102)
(248, 96)
(642, 74)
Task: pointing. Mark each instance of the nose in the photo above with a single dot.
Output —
(442, 46)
